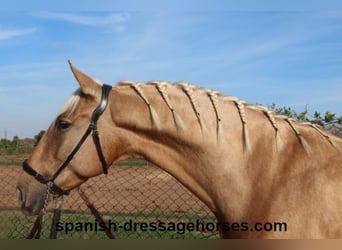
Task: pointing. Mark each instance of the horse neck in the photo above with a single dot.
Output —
(185, 143)
(204, 141)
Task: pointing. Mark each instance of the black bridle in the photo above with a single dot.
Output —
(92, 128)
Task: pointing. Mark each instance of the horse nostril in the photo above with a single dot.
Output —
(20, 196)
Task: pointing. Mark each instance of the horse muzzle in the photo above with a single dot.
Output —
(32, 202)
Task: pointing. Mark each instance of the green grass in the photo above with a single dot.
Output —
(15, 225)
(10, 162)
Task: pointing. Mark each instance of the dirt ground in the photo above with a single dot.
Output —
(123, 190)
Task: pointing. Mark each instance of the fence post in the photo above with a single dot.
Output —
(56, 217)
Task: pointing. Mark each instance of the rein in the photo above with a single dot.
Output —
(92, 129)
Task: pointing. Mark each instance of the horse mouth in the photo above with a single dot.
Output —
(29, 207)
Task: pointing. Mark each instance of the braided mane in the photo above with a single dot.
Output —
(214, 96)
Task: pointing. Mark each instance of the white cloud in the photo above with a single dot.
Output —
(117, 19)
(11, 33)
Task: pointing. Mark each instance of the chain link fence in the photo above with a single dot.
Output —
(135, 200)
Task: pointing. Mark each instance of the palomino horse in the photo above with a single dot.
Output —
(248, 165)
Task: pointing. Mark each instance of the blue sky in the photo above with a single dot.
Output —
(291, 58)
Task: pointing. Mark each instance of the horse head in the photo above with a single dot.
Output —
(66, 155)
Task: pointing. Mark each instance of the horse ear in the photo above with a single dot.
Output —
(87, 84)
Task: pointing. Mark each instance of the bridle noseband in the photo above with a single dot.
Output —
(92, 128)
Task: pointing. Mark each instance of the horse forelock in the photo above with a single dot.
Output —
(70, 105)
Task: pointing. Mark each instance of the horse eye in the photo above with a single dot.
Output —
(63, 124)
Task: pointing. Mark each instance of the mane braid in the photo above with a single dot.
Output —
(188, 89)
(317, 128)
(214, 100)
(298, 134)
(153, 113)
(162, 88)
(270, 116)
(240, 106)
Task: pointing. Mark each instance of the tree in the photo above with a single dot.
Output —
(304, 116)
(38, 136)
(330, 120)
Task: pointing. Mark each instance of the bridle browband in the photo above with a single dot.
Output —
(92, 128)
